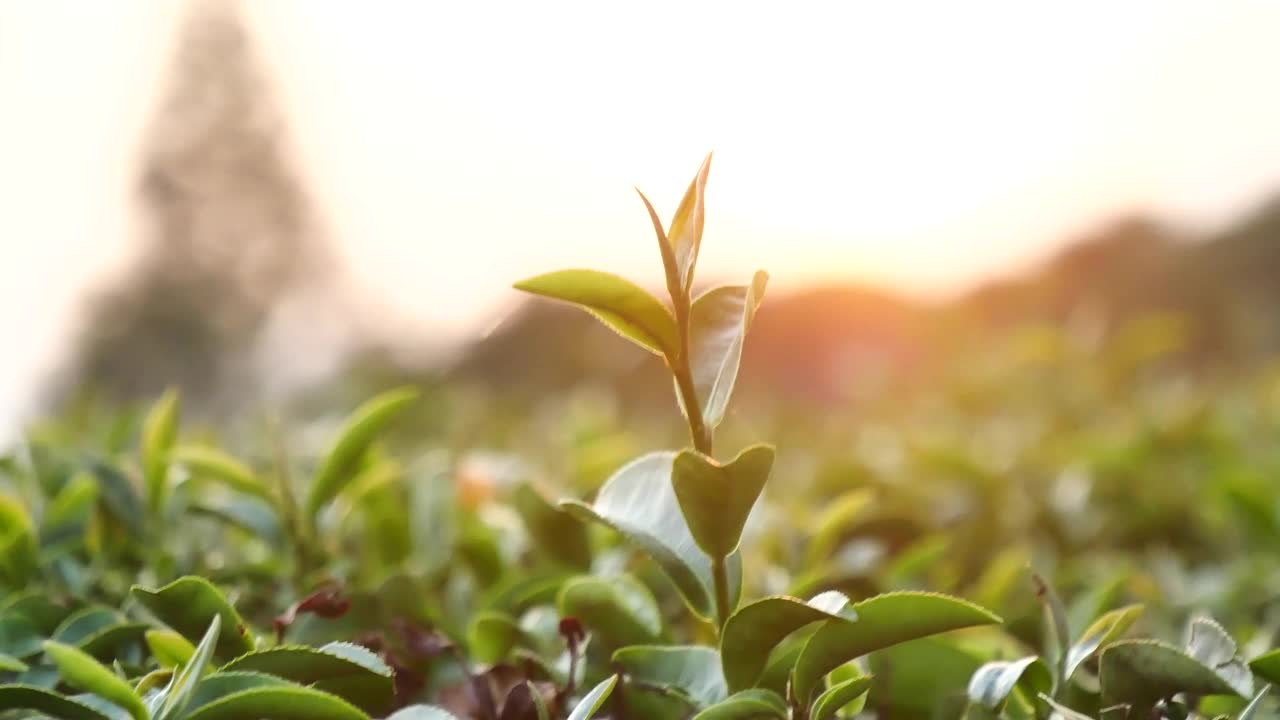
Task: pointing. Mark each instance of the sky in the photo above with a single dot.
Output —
(452, 148)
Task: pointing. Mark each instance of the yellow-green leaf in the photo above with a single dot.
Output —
(341, 464)
(619, 303)
(83, 672)
(159, 430)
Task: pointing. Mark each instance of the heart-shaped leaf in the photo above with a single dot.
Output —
(81, 671)
(992, 684)
(685, 231)
(360, 430)
(1143, 671)
(348, 671)
(839, 696)
(718, 323)
(1105, 629)
(623, 306)
(754, 704)
(47, 702)
(189, 604)
(617, 610)
(159, 430)
(639, 501)
(594, 700)
(716, 499)
(691, 670)
(757, 628)
(883, 621)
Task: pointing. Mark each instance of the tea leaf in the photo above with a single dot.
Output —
(594, 700)
(685, 231)
(617, 302)
(716, 499)
(82, 671)
(755, 704)
(992, 684)
(340, 465)
(757, 628)
(159, 430)
(189, 604)
(839, 696)
(694, 671)
(718, 323)
(1143, 671)
(1105, 629)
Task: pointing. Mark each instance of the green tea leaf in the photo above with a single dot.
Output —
(685, 231)
(159, 430)
(491, 636)
(340, 465)
(19, 548)
(169, 648)
(223, 683)
(883, 621)
(992, 684)
(592, 702)
(1105, 629)
(67, 517)
(210, 462)
(716, 499)
(692, 670)
(839, 696)
(82, 671)
(718, 323)
(1143, 671)
(757, 628)
(185, 683)
(620, 304)
(47, 702)
(640, 502)
(754, 704)
(85, 623)
(19, 637)
(189, 604)
(9, 663)
(1265, 666)
(348, 671)
(553, 531)
(278, 703)
(617, 610)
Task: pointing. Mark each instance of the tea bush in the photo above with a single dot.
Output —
(151, 572)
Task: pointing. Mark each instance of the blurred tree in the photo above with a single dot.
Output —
(228, 235)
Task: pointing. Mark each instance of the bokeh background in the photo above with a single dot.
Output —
(290, 203)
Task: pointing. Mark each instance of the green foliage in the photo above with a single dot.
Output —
(521, 568)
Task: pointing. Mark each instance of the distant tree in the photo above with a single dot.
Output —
(227, 233)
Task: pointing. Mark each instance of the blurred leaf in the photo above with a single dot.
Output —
(19, 548)
(617, 302)
(159, 430)
(66, 519)
(212, 463)
(491, 636)
(552, 530)
(716, 499)
(47, 702)
(992, 684)
(755, 704)
(81, 671)
(594, 700)
(883, 621)
(718, 323)
(340, 466)
(922, 678)
(693, 671)
(1143, 671)
(19, 637)
(619, 610)
(1210, 644)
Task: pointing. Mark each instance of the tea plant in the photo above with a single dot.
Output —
(148, 571)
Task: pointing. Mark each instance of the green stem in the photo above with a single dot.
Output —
(720, 573)
(699, 433)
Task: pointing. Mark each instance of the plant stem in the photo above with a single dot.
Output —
(699, 433)
(720, 573)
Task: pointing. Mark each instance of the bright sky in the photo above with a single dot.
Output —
(455, 147)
